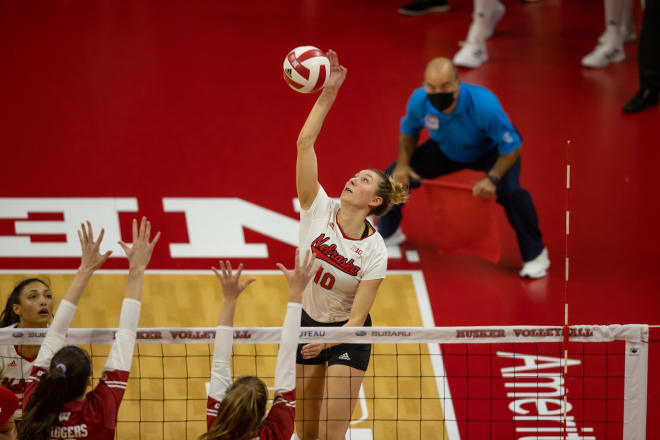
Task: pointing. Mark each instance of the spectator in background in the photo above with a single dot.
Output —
(423, 7)
(648, 60)
(485, 15)
(619, 29)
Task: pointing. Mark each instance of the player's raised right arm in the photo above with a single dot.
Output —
(307, 182)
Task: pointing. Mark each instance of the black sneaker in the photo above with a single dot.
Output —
(423, 7)
(644, 98)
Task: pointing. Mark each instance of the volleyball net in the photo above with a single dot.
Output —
(441, 383)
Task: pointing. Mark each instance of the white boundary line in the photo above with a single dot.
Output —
(437, 363)
(421, 292)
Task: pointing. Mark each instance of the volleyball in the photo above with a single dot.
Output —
(306, 69)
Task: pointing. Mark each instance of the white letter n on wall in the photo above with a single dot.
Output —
(215, 227)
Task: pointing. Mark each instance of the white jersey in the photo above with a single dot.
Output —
(14, 372)
(344, 261)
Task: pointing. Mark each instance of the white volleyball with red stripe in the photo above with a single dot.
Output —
(306, 69)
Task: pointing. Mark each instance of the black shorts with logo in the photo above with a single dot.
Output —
(354, 355)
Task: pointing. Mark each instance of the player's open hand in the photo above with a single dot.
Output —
(229, 280)
(139, 253)
(310, 351)
(337, 72)
(91, 259)
(299, 277)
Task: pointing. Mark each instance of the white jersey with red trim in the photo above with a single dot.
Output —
(14, 371)
(344, 261)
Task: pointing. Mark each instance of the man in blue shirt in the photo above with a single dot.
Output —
(468, 129)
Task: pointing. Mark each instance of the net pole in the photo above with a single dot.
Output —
(566, 277)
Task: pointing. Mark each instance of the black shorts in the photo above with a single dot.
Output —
(354, 355)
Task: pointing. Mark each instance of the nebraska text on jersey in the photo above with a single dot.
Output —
(329, 254)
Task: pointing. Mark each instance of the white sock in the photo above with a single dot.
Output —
(613, 12)
(481, 16)
(613, 36)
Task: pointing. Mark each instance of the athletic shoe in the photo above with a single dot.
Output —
(603, 55)
(395, 239)
(471, 55)
(628, 33)
(423, 7)
(536, 268)
(644, 98)
(497, 14)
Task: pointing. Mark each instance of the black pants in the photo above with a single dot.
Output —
(429, 162)
(649, 47)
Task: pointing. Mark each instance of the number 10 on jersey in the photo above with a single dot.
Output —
(325, 280)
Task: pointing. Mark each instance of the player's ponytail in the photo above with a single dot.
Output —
(391, 191)
(241, 411)
(8, 316)
(65, 381)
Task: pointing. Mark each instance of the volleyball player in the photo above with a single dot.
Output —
(353, 263)
(30, 305)
(236, 411)
(55, 404)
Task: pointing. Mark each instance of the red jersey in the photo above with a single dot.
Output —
(279, 423)
(96, 416)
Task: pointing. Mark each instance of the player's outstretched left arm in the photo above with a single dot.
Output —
(306, 166)
(109, 393)
(138, 254)
(232, 287)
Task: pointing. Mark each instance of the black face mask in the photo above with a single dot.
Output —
(441, 101)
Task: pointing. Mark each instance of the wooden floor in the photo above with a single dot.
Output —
(166, 396)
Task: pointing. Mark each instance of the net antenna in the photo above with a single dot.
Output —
(566, 276)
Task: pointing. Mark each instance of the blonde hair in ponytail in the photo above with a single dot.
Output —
(391, 191)
(241, 411)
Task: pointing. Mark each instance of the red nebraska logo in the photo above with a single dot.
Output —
(357, 250)
(329, 254)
